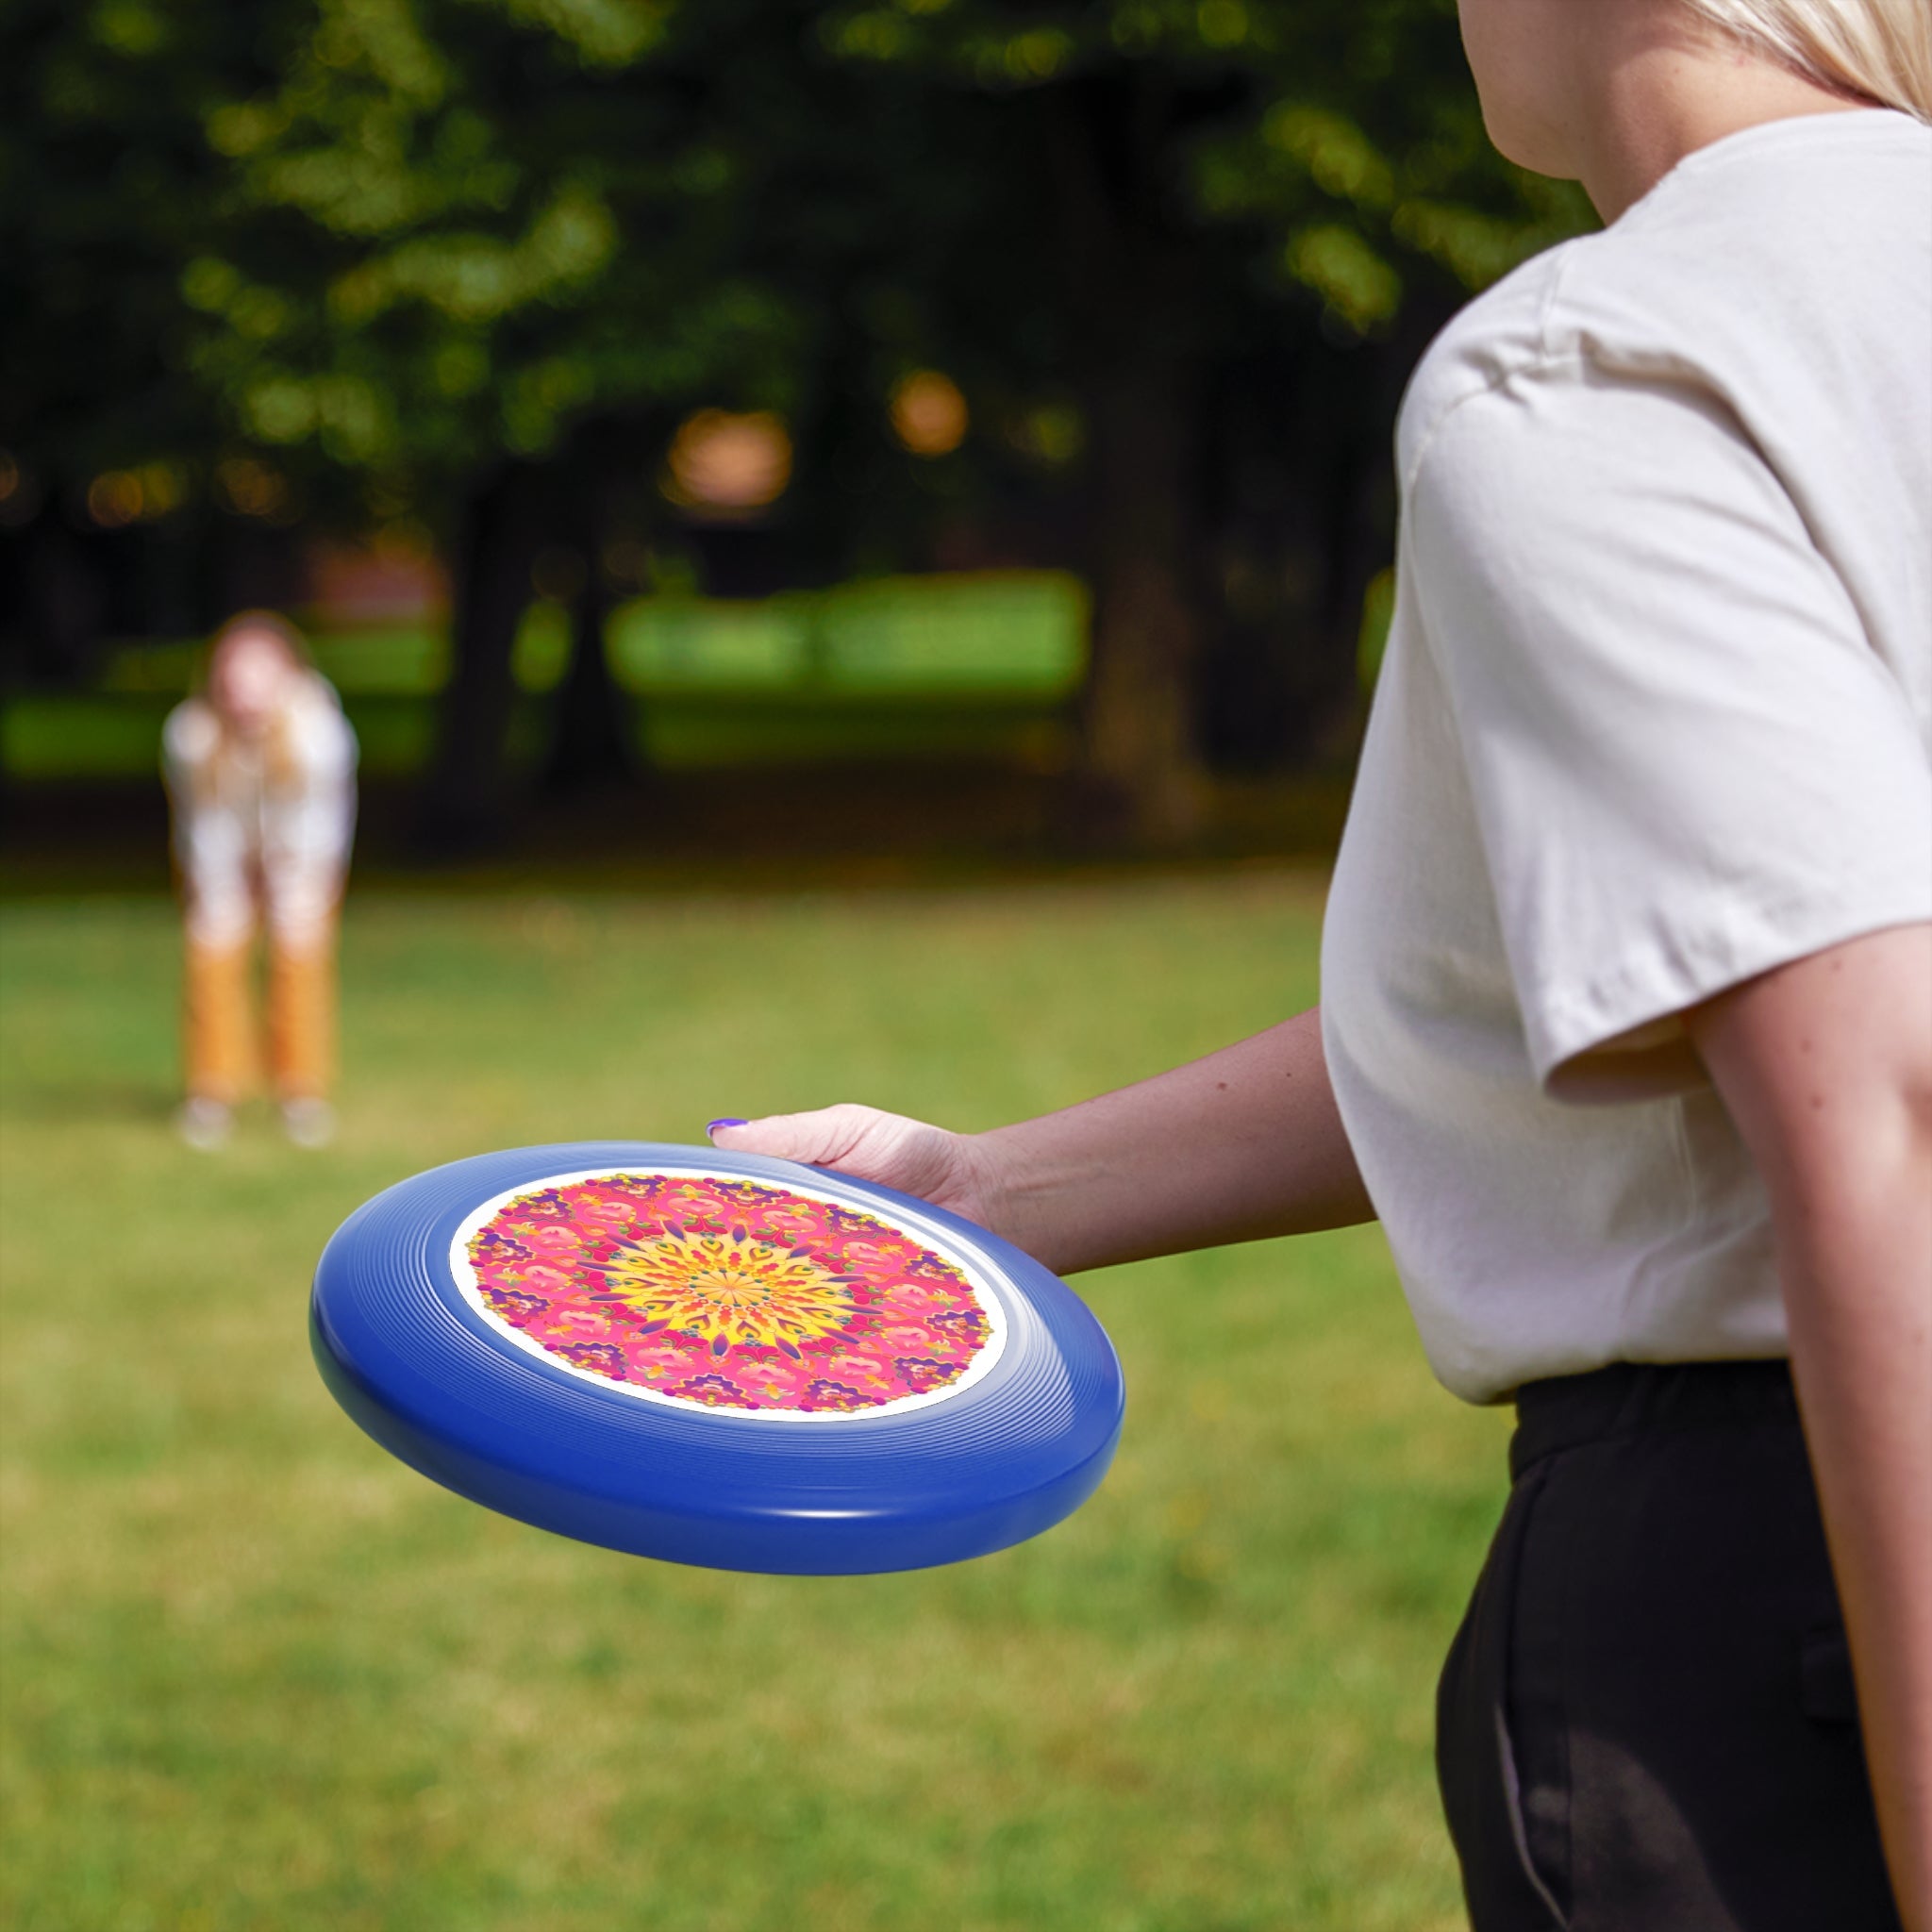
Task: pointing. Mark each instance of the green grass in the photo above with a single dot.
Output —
(259, 1675)
(982, 665)
(56, 735)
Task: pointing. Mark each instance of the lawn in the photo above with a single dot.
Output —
(259, 1675)
(973, 665)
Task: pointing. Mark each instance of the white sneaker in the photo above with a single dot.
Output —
(204, 1124)
(308, 1122)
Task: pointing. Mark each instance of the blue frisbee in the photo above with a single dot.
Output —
(716, 1358)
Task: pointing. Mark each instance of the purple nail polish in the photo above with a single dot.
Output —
(714, 1125)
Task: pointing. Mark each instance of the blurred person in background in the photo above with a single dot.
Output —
(1626, 1021)
(260, 769)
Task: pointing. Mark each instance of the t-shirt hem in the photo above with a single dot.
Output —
(1486, 1385)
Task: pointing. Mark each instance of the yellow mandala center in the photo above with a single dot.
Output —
(730, 1290)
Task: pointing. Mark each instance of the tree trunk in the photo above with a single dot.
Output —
(63, 602)
(1133, 307)
(591, 742)
(466, 803)
(1140, 738)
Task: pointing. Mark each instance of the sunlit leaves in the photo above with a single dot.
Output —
(988, 53)
(536, 397)
(353, 138)
(242, 128)
(383, 40)
(354, 419)
(447, 305)
(1222, 23)
(424, 232)
(474, 276)
(1479, 247)
(130, 28)
(207, 283)
(1474, 247)
(1348, 138)
(1355, 283)
(604, 33)
(1339, 158)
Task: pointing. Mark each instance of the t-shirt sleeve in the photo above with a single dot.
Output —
(1689, 763)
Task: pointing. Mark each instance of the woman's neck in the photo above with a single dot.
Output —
(1657, 96)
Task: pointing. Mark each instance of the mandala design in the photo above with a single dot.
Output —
(730, 1290)
(723, 1294)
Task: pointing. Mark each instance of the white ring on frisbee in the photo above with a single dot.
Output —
(946, 1242)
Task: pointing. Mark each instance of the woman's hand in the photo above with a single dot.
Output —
(949, 1169)
(1237, 1147)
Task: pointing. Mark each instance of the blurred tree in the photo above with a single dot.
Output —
(1232, 196)
(107, 189)
(469, 262)
(484, 231)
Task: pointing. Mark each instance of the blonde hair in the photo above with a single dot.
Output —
(1879, 50)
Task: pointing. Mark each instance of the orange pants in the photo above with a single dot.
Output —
(222, 1048)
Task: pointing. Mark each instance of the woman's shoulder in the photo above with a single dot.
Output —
(1497, 336)
(1789, 253)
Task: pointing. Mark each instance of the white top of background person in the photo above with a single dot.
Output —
(260, 772)
(1629, 961)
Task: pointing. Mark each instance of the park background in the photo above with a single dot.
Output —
(856, 540)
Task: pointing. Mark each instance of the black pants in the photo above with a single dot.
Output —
(1646, 1722)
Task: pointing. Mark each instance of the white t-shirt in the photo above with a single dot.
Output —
(1656, 716)
(251, 822)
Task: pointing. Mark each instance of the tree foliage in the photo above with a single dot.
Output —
(445, 257)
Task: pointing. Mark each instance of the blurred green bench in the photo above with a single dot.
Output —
(973, 666)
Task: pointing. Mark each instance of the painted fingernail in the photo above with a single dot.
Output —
(713, 1128)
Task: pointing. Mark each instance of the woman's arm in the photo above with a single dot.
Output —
(1241, 1145)
(1827, 1068)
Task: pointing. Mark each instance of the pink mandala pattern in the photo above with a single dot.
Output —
(724, 1295)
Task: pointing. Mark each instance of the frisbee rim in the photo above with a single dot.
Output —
(968, 1496)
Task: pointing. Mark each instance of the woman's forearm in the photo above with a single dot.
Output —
(1827, 1068)
(1243, 1144)
(1858, 1297)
